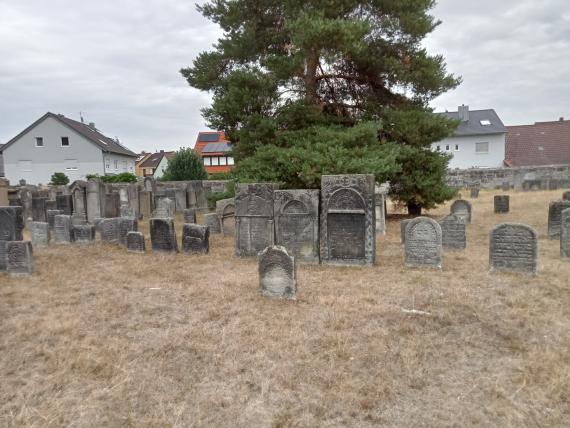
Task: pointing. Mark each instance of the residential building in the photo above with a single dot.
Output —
(140, 159)
(215, 151)
(155, 164)
(478, 142)
(544, 143)
(55, 143)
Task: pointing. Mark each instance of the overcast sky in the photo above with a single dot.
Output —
(118, 61)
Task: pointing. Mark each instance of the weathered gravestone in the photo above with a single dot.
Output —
(39, 209)
(297, 223)
(462, 209)
(213, 222)
(84, 234)
(225, 208)
(513, 248)
(565, 234)
(50, 214)
(277, 273)
(196, 195)
(474, 192)
(135, 242)
(50, 205)
(19, 258)
(347, 220)
(112, 205)
(403, 224)
(65, 203)
(189, 215)
(254, 218)
(453, 234)
(62, 229)
(126, 225)
(196, 238)
(164, 208)
(127, 211)
(566, 196)
(506, 186)
(94, 196)
(109, 229)
(180, 199)
(380, 207)
(11, 227)
(555, 217)
(40, 234)
(501, 204)
(423, 243)
(78, 219)
(162, 235)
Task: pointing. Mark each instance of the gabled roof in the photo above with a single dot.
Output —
(103, 142)
(205, 138)
(154, 159)
(475, 124)
(544, 143)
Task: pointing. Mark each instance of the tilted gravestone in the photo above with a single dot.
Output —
(277, 273)
(566, 196)
(554, 218)
(347, 235)
(62, 229)
(163, 235)
(40, 234)
(164, 208)
(126, 225)
(19, 258)
(39, 209)
(196, 238)
(109, 229)
(513, 248)
(462, 209)
(403, 224)
(501, 204)
(565, 234)
(423, 243)
(297, 223)
(189, 215)
(453, 234)
(254, 218)
(135, 242)
(11, 227)
(65, 204)
(225, 208)
(213, 222)
(84, 234)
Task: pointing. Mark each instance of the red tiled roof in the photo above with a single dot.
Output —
(544, 143)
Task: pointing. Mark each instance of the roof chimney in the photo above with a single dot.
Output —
(463, 111)
(92, 126)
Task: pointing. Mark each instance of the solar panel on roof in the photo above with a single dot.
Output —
(208, 137)
(216, 147)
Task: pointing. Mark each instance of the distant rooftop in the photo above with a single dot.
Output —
(476, 122)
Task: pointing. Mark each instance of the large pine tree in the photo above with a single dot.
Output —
(307, 88)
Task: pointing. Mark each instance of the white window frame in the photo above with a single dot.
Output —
(40, 139)
(68, 142)
(116, 165)
(215, 161)
(107, 163)
(438, 148)
(207, 161)
(223, 161)
(457, 147)
(447, 147)
(230, 160)
(479, 152)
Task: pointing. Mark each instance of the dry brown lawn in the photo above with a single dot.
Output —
(98, 337)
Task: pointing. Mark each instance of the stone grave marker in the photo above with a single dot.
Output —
(11, 223)
(423, 243)
(380, 206)
(213, 222)
(126, 225)
(403, 224)
(162, 235)
(513, 248)
(127, 211)
(565, 234)
(462, 209)
(135, 242)
(4, 201)
(196, 238)
(180, 198)
(506, 186)
(65, 203)
(254, 218)
(277, 273)
(39, 209)
(51, 205)
(40, 234)
(62, 229)
(189, 215)
(19, 258)
(555, 217)
(501, 204)
(164, 208)
(112, 205)
(297, 223)
(109, 229)
(453, 233)
(566, 196)
(78, 219)
(225, 208)
(94, 200)
(84, 234)
(474, 192)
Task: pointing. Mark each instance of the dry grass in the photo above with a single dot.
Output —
(98, 337)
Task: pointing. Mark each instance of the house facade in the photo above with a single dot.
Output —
(478, 142)
(215, 151)
(55, 143)
(155, 164)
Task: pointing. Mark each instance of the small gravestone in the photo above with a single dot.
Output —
(65, 204)
(135, 242)
(501, 204)
(555, 217)
(189, 215)
(565, 234)
(62, 232)
(196, 238)
(162, 235)
(164, 208)
(84, 234)
(506, 186)
(462, 209)
(19, 258)
(213, 222)
(453, 235)
(40, 234)
(254, 218)
(403, 224)
(39, 209)
(225, 208)
(423, 243)
(277, 273)
(513, 248)
(50, 214)
(126, 225)
(474, 192)
(566, 196)
(109, 230)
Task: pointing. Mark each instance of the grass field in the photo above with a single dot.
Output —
(98, 337)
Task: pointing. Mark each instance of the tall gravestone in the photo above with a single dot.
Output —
(135, 242)
(65, 203)
(225, 208)
(39, 209)
(403, 224)
(565, 234)
(19, 258)
(423, 243)
(78, 191)
(453, 233)
(40, 234)
(462, 209)
(109, 229)
(94, 205)
(277, 273)
(501, 204)
(189, 215)
(196, 238)
(380, 206)
(62, 232)
(180, 199)
(11, 227)
(213, 222)
(555, 217)
(297, 223)
(145, 203)
(513, 248)
(347, 235)
(126, 225)
(254, 218)
(162, 235)
(84, 234)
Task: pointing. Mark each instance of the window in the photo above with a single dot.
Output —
(64, 141)
(71, 165)
(230, 160)
(485, 122)
(116, 164)
(457, 147)
(447, 148)
(481, 147)
(39, 141)
(215, 161)
(107, 163)
(438, 148)
(207, 161)
(124, 165)
(223, 160)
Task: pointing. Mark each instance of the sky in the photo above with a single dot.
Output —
(117, 63)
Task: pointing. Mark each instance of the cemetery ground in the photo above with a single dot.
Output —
(99, 337)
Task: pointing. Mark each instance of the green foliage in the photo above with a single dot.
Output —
(59, 179)
(124, 177)
(186, 164)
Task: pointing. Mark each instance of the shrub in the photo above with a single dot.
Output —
(186, 164)
(59, 179)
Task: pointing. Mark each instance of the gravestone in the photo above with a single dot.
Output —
(135, 242)
(254, 218)
(180, 198)
(565, 234)
(84, 234)
(126, 225)
(225, 208)
(39, 209)
(453, 234)
(213, 222)
(462, 209)
(26, 197)
(501, 204)
(380, 206)
(65, 203)
(347, 235)
(506, 186)
(566, 196)
(19, 258)
(145, 203)
(78, 191)
(4, 201)
(50, 205)
(112, 205)
(149, 184)
(474, 192)
(62, 229)
(403, 224)
(277, 273)
(423, 243)
(127, 211)
(189, 215)
(196, 238)
(50, 214)
(513, 248)
(93, 192)
(555, 218)
(11, 227)
(40, 234)
(297, 223)
(162, 235)
(109, 229)
(164, 208)
(78, 219)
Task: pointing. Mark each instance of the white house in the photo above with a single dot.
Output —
(478, 142)
(55, 143)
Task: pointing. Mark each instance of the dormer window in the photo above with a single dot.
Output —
(485, 122)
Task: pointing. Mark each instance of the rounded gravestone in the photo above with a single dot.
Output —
(513, 248)
(462, 209)
(277, 273)
(423, 244)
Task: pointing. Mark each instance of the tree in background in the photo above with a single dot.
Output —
(59, 179)
(186, 164)
(328, 87)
